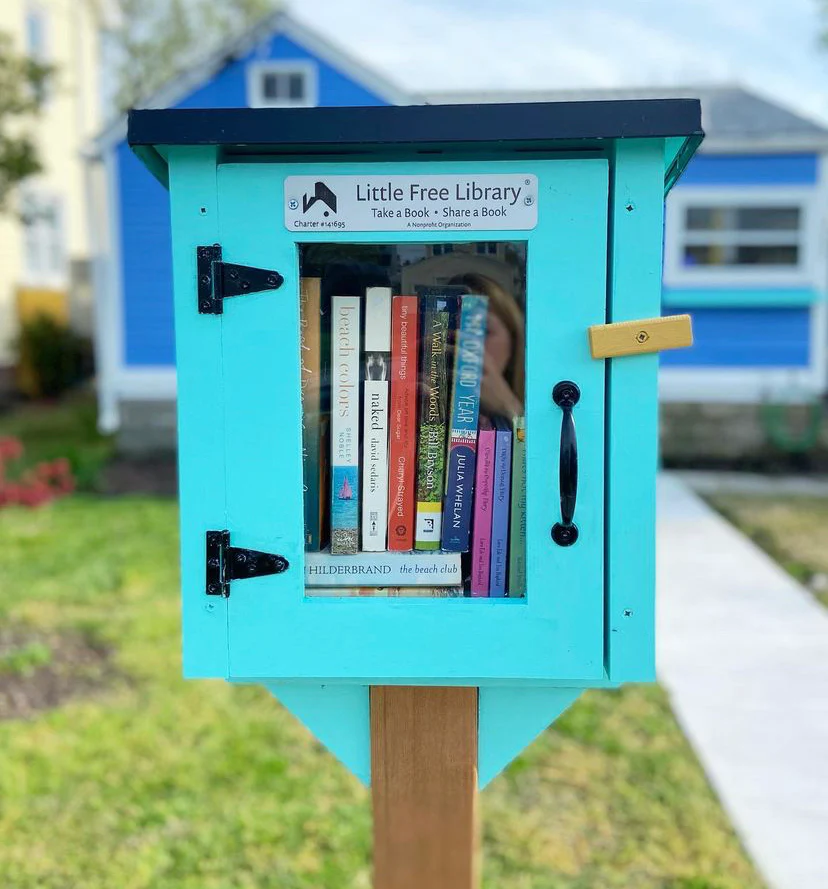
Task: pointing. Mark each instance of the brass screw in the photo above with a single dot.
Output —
(642, 336)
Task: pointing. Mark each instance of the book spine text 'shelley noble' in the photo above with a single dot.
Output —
(382, 569)
(436, 319)
(376, 363)
(482, 517)
(345, 319)
(462, 435)
(501, 506)
(517, 529)
(314, 420)
(402, 463)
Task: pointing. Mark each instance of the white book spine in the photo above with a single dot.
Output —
(377, 361)
(345, 425)
(383, 570)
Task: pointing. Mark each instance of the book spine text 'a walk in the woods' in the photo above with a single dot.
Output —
(376, 363)
(402, 463)
(436, 315)
(345, 353)
(462, 435)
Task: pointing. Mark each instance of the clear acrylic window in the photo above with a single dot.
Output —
(413, 386)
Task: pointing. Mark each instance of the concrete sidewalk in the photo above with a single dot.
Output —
(743, 652)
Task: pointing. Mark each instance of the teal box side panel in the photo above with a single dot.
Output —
(636, 225)
(556, 635)
(194, 213)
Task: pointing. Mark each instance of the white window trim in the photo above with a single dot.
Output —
(52, 279)
(806, 272)
(257, 70)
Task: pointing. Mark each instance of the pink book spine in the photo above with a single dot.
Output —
(482, 516)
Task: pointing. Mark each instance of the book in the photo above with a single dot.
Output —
(314, 364)
(402, 462)
(377, 371)
(482, 516)
(500, 506)
(392, 592)
(517, 530)
(345, 320)
(436, 318)
(462, 435)
(382, 569)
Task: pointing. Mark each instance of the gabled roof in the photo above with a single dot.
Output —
(732, 116)
(261, 32)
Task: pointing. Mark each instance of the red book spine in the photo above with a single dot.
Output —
(402, 451)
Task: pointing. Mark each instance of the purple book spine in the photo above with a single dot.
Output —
(500, 507)
(482, 519)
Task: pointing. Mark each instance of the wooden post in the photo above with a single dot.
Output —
(424, 786)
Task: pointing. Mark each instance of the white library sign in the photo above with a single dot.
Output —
(410, 203)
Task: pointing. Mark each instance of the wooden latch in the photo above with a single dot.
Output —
(639, 337)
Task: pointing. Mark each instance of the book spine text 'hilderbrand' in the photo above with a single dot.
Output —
(462, 436)
(377, 371)
(345, 318)
(436, 314)
(500, 507)
(482, 517)
(402, 463)
(517, 532)
(382, 569)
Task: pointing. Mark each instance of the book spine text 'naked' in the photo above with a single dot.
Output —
(500, 507)
(482, 518)
(376, 364)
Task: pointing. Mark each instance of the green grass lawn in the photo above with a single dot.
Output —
(150, 781)
(792, 530)
(120, 775)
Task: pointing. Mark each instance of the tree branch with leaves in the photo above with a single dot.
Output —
(23, 83)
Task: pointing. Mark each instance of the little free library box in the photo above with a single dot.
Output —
(417, 395)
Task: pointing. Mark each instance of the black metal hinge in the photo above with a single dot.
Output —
(225, 563)
(217, 280)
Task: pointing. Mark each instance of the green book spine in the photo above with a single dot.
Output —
(517, 523)
(437, 317)
(314, 420)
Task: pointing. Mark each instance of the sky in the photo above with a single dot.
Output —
(771, 46)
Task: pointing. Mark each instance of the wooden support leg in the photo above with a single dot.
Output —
(424, 785)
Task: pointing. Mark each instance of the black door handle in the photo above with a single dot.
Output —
(566, 395)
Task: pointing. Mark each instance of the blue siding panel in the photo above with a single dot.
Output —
(772, 337)
(744, 169)
(146, 264)
(146, 260)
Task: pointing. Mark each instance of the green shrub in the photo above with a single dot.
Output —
(51, 357)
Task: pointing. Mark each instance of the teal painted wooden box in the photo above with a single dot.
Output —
(581, 197)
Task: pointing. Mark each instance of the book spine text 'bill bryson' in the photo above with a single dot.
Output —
(517, 530)
(436, 319)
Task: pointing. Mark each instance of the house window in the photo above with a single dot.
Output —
(749, 237)
(742, 236)
(281, 85)
(44, 249)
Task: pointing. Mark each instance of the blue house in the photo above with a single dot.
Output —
(279, 63)
(745, 247)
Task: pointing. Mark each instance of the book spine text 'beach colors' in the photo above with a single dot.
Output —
(345, 343)
(376, 362)
(402, 464)
(462, 437)
(436, 319)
